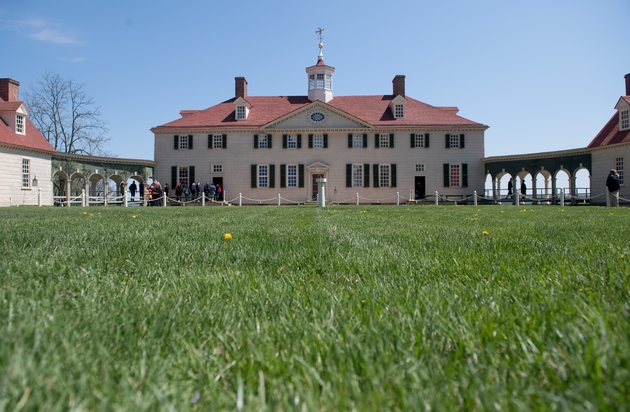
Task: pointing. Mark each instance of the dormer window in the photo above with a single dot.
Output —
(397, 106)
(19, 124)
(240, 112)
(399, 111)
(241, 108)
(624, 119)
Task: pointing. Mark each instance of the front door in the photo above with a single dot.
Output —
(314, 184)
(420, 187)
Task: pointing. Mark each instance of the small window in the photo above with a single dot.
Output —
(619, 168)
(384, 175)
(262, 141)
(419, 140)
(320, 80)
(455, 176)
(183, 176)
(357, 175)
(263, 176)
(384, 140)
(419, 167)
(311, 82)
(329, 82)
(292, 141)
(399, 111)
(217, 168)
(318, 140)
(454, 141)
(357, 140)
(624, 119)
(240, 112)
(26, 173)
(217, 141)
(19, 124)
(292, 175)
(183, 142)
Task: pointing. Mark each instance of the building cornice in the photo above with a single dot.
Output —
(115, 160)
(528, 156)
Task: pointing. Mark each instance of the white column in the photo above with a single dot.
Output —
(357, 201)
(163, 199)
(475, 198)
(562, 197)
(397, 198)
(83, 197)
(39, 196)
(321, 192)
(278, 199)
(240, 199)
(436, 198)
(203, 198)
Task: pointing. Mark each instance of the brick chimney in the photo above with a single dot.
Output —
(399, 85)
(241, 87)
(627, 77)
(9, 89)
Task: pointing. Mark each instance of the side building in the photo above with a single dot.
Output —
(373, 146)
(25, 154)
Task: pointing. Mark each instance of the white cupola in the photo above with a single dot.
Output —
(320, 79)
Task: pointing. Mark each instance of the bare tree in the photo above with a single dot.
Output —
(66, 116)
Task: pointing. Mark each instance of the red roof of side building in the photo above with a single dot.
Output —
(610, 133)
(371, 109)
(32, 139)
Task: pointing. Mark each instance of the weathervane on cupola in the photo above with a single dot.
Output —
(320, 75)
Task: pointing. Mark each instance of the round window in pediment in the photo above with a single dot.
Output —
(318, 117)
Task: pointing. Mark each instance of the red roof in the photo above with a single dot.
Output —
(371, 109)
(611, 134)
(33, 139)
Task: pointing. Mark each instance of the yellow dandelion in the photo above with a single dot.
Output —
(85, 213)
(622, 257)
(91, 214)
(227, 236)
(134, 216)
(124, 283)
(485, 233)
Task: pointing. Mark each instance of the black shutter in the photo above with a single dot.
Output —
(426, 140)
(348, 175)
(210, 141)
(447, 175)
(464, 174)
(300, 175)
(350, 145)
(299, 141)
(224, 142)
(191, 174)
(269, 141)
(190, 142)
(310, 141)
(366, 175)
(284, 141)
(391, 140)
(393, 176)
(448, 141)
(365, 143)
(461, 141)
(325, 141)
(255, 141)
(173, 176)
(377, 142)
(272, 175)
(176, 142)
(283, 176)
(376, 183)
(254, 183)
(413, 140)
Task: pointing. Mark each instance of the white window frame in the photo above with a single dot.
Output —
(619, 168)
(454, 140)
(357, 175)
(20, 127)
(292, 141)
(292, 176)
(240, 113)
(384, 175)
(319, 80)
(183, 142)
(418, 140)
(217, 168)
(262, 141)
(329, 81)
(183, 176)
(624, 119)
(383, 140)
(26, 173)
(311, 82)
(263, 176)
(357, 141)
(217, 141)
(318, 141)
(455, 175)
(419, 167)
(399, 110)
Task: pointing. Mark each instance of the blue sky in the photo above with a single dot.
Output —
(544, 75)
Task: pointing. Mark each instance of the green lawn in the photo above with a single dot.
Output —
(342, 308)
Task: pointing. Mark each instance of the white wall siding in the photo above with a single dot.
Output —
(11, 191)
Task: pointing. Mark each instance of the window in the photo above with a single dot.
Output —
(619, 168)
(263, 176)
(183, 142)
(418, 140)
(383, 173)
(454, 182)
(311, 82)
(26, 173)
(454, 140)
(357, 140)
(183, 176)
(291, 175)
(217, 141)
(292, 141)
(624, 119)
(320, 80)
(329, 82)
(262, 141)
(357, 175)
(399, 111)
(19, 124)
(240, 112)
(318, 140)
(217, 168)
(383, 140)
(419, 167)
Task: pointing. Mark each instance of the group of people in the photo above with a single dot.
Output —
(523, 188)
(152, 193)
(211, 191)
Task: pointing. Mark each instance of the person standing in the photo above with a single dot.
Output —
(213, 191)
(132, 190)
(523, 188)
(219, 192)
(612, 183)
(509, 188)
